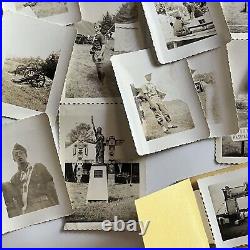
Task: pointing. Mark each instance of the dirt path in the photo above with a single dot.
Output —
(82, 80)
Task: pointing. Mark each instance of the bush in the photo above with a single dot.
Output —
(49, 65)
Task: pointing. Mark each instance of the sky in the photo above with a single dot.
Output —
(92, 13)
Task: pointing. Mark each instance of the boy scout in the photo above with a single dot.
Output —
(32, 184)
(155, 99)
(97, 51)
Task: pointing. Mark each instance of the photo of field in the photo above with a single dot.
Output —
(121, 203)
(27, 81)
(82, 79)
(106, 33)
(44, 9)
(236, 14)
(180, 116)
(183, 23)
(123, 190)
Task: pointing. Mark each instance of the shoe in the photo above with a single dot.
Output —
(172, 126)
(165, 130)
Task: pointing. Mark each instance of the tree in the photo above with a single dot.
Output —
(160, 8)
(81, 131)
(50, 64)
(128, 13)
(107, 24)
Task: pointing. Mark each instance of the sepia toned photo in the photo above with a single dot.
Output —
(95, 133)
(43, 9)
(237, 145)
(99, 192)
(27, 81)
(33, 187)
(101, 167)
(35, 67)
(112, 28)
(226, 201)
(183, 29)
(236, 15)
(234, 148)
(160, 117)
(183, 23)
(161, 102)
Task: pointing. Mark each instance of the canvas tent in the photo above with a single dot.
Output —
(128, 37)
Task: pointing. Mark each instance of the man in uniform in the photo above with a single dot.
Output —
(179, 27)
(97, 51)
(155, 99)
(33, 184)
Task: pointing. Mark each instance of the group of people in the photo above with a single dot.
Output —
(195, 10)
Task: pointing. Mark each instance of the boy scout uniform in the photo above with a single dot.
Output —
(36, 188)
(156, 104)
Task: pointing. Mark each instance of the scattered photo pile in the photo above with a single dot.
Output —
(97, 86)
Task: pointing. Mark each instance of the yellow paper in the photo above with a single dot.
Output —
(175, 220)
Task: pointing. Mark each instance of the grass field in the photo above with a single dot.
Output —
(236, 19)
(45, 9)
(82, 80)
(23, 95)
(121, 203)
(179, 114)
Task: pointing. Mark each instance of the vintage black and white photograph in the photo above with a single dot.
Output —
(31, 188)
(226, 203)
(101, 168)
(44, 9)
(33, 185)
(161, 102)
(27, 80)
(215, 91)
(183, 29)
(237, 145)
(35, 59)
(183, 23)
(95, 133)
(99, 192)
(234, 148)
(160, 116)
(236, 15)
(106, 29)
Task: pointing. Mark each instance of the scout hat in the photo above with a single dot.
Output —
(19, 147)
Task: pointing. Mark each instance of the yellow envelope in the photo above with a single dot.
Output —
(175, 220)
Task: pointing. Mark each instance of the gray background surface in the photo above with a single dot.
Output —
(162, 169)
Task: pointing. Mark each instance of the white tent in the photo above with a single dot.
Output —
(128, 37)
(98, 184)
